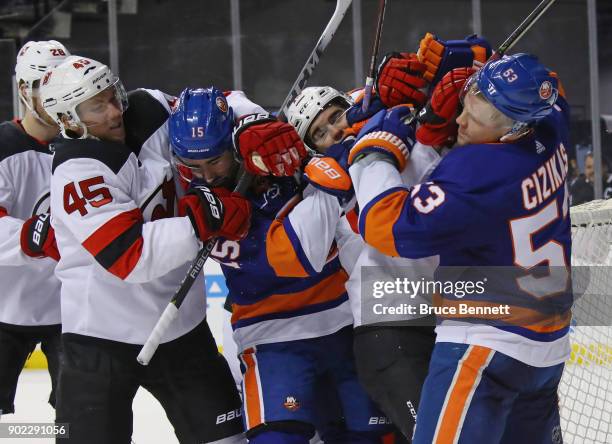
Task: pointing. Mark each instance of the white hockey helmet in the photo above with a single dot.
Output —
(33, 59)
(77, 79)
(310, 102)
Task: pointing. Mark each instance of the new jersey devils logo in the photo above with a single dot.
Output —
(161, 202)
(42, 205)
(46, 78)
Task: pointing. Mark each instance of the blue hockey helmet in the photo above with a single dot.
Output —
(519, 86)
(201, 124)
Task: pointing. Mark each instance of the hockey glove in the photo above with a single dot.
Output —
(216, 213)
(38, 237)
(389, 132)
(437, 120)
(329, 173)
(268, 146)
(441, 56)
(399, 79)
(357, 118)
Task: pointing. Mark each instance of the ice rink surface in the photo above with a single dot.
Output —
(151, 426)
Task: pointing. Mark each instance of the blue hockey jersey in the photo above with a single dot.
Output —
(488, 205)
(277, 295)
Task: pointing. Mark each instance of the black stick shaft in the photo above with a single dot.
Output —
(369, 84)
(526, 24)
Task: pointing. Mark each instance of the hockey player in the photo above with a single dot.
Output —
(392, 352)
(498, 199)
(30, 308)
(123, 254)
(293, 333)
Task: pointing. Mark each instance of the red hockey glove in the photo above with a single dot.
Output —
(441, 56)
(268, 146)
(38, 237)
(216, 213)
(437, 119)
(399, 78)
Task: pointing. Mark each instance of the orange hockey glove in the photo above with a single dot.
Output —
(441, 56)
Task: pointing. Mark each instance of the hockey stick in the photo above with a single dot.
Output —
(171, 311)
(520, 31)
(370, 78)
(315, 56)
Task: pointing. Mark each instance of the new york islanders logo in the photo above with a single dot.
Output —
(221, 104)
(546, 90)
(291, 404)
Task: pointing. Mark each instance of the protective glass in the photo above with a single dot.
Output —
(120, 101)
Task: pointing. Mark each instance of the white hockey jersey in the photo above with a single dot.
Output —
(30, 291)
(374, 266)
(123, 252)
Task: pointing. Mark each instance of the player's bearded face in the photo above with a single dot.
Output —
(327, 128)
(219, 171)
(103, 116)
(477, 123)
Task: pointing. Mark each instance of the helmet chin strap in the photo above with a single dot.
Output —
(518, 130)
(27, 102)
(85, 134)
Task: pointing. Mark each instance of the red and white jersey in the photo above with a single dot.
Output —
(30, 291)
(123, 251)
(423, 160)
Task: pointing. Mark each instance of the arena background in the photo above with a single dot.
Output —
(260, 46)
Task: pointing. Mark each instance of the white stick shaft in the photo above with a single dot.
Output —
(160, 329)
(313, 60)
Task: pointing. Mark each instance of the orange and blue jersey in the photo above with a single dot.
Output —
(488, 205)
(477, 395)
(277, 293)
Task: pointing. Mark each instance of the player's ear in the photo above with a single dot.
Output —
(23, 89)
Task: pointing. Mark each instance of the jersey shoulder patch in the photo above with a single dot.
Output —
(144, 116)
(113, 155)
(13, 140)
